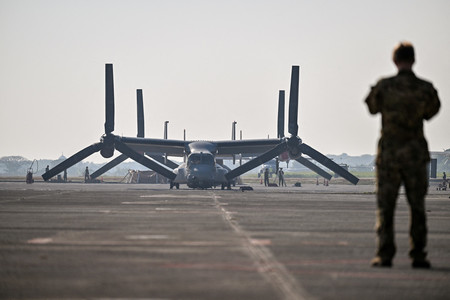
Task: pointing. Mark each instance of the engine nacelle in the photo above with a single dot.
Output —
(293, 144)
(107, 152)
(108, 146)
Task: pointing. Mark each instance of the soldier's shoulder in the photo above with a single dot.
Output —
(424, 82)
(384, 81)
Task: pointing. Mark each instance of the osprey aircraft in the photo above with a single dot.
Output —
(200, 169)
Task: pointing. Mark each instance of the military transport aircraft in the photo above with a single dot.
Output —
(200, 169)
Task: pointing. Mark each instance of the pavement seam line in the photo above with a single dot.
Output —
(21, 198)
(267, 265)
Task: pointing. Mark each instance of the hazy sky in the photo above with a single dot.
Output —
(204, 64)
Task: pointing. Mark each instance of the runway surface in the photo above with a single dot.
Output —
(123, 241)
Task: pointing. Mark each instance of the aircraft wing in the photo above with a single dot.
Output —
(246, 148)
(155, 146)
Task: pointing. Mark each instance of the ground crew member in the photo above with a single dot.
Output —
(266, 177)
(281, 181)
(403, 101)
(86, 175)
(46, 170)
(444, 177)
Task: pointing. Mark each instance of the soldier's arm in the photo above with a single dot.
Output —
(433, 106)
(373, 100)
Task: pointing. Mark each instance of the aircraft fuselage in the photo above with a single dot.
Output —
(201, 169)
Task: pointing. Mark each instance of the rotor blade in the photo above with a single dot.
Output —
(233, 130)
(122, 147)
(77, 157)
(293, 101)
(140, 114)
(109, 166)
(281, 114)
(251, 164)
(313, 167)
(109, 99)
(308, 150)
(160, 159)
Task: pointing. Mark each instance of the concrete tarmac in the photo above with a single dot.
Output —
(125, 241)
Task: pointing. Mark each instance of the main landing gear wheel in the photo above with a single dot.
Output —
(228, 185)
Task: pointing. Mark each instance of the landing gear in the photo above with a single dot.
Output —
(228, 185)
(174, 184)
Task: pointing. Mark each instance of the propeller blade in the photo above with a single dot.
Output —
(161, 160)
(109, 166)
(313, 167)
(328, 163)
(251, 164)
(76, 158)
(281, 114)
(233, 130)
(140, 114)
(109, 99)
(293, 101)
(122, 147)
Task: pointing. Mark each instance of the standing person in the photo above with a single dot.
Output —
(281, 181)
(86, 175)
(444, 177)
(46, 170)
(403, 101)
(266, 177)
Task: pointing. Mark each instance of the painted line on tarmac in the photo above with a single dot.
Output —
(30, 197)
(267, 265)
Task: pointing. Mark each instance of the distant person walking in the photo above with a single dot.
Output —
(403, 101)
(266, 177)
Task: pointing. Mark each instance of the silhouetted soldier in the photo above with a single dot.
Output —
(86, 175)
(444, 177)
(404, 101)
(46, 170)
(281, 181)
(266, 177)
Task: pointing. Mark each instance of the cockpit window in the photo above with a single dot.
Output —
(201, 159)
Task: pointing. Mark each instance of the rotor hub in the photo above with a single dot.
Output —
(107, 150)
(293, 145)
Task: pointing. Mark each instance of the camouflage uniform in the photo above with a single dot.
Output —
(403, 101)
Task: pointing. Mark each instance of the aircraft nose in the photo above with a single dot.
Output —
(200, 177)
